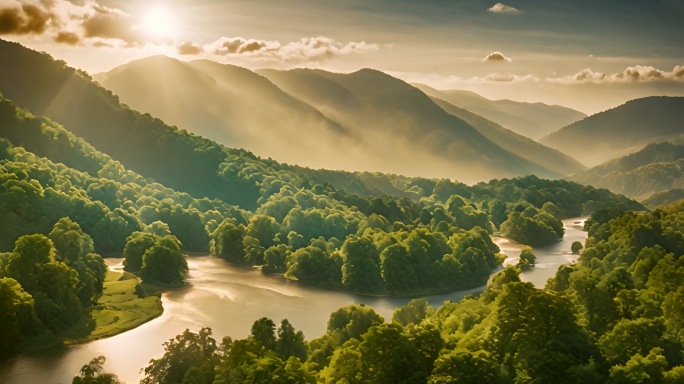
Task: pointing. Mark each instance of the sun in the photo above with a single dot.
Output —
(159, 22)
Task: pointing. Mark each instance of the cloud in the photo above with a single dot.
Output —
(503, 8)
(70, 23)
(239, 46)
(504, 78)
(89, 23)
(189, 48)
(69, 38)
(111, 23)
(308, 49)
(21, 19)
(496, 57)
(635, 74)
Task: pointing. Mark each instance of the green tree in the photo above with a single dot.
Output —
(263, 332)
(76, 248)
(353, 321)
(93, 373)
(17, 315)
(136, 245)
(576, 247)
(164, 262)
(361, 265)
(462, 366)
(413, 312)
(290, 342)
(181, 354)
(227, 242)
(527, 259)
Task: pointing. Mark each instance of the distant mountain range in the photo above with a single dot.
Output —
(366, 120)
(520, 145)
(533, 120)
(229, 104)
(656, 168)
(620, 131)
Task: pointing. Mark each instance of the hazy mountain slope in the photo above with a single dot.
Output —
(403, 122)
(140, 142)
(621, 130)
(533, 120)
(228, 104)
(656, 168)
(520, 145)
(664, 198)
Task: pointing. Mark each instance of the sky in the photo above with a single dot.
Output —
(589, 55)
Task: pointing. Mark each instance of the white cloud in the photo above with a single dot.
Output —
(70, 23)
(189, 48)
(634, 74)
(308, 49)
(497, 57)
(504, 78)
(503, 8)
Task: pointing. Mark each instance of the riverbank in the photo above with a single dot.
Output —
(120, 308)
(123, 306)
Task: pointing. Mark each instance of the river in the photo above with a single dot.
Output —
(228, 299)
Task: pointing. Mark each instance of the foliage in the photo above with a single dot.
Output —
(527, 259)
(186, 357)
(92, 373)
(615, 316)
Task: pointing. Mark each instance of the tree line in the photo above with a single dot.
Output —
(615, 316)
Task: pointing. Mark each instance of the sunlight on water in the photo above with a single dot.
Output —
(229, 298)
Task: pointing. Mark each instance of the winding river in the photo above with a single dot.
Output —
(228, 299)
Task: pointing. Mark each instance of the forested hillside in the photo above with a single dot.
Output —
(391, 235)
(621, 130)
(521, 145)
(533, 120)
(615, 316)
(306, 229)
(656, 168)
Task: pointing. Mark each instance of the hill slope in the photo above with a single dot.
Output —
(532, 120)
(521, 145)
(621, 130)
(228, 104)
(656, 168)
(406, 126)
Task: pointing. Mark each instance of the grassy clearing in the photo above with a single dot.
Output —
(120, 309)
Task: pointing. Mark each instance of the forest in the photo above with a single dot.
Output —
(430, 236)
(114, 182)
(613, 317)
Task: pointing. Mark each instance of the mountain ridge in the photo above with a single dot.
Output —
(621, 130)
(532, 120)
(381, 124)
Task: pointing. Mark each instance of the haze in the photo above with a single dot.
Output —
(579, 54)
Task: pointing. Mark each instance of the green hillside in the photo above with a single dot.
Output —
(615, 316)
(533, 120)
(656, 168)
(386, 110)
(515, 143)
(620, 131)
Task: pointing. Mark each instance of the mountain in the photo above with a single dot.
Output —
(366, 120)
(142, 143)
(228, 104)
(656, 168)
(403, 123)
(620, 131)
(664, 198)
(520, 145)
(533, 120)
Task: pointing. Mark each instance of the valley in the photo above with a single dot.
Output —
(216, 292)
(340, 199)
